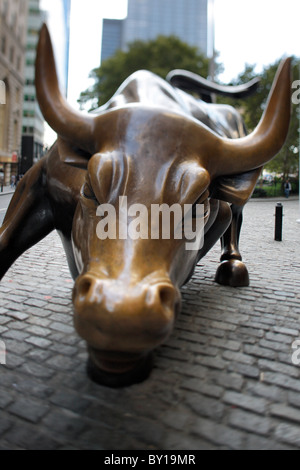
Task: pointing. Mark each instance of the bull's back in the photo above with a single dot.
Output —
(148, 89)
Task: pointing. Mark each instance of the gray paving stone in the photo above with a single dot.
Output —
(254, 442)
(238, 357)
(257, 351)
(33, 369)
(276, 366)
(28, 438)
(70, 400)
(288, 433)
(5, 425)
(64, 422)
(62, 328)
(39, 342)
(28, 409)
(200, 387)
(249, 422)
(294, 399)
(219, 434)
(241, 400)
(286, 412)
(204, 406)
(270, 392)
(5, 398)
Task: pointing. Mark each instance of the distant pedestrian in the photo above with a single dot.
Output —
(287, 188)
(13, 181)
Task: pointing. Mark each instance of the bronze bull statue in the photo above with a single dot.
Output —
(154, 144)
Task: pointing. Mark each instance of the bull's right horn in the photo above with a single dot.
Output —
(250, 152)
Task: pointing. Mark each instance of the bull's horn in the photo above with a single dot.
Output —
(190, 81)
(256, 149)
(64, 120)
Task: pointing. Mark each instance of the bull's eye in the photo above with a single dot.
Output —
(88, 193)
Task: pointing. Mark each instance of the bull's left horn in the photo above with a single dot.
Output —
(256, 149)
(64, 120)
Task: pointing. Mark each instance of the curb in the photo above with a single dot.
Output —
(273, 199)
(5, 193)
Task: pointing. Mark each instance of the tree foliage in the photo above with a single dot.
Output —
(160, 56)
(251, 108)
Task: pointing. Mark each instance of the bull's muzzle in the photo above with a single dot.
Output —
(122, 323)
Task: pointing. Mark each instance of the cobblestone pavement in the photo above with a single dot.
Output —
(224, 380)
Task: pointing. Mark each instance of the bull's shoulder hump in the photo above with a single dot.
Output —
(146, 88)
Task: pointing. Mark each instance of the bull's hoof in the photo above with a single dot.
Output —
(137, 374)
(232, 273)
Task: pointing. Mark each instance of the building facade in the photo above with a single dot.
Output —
(33, 121)
(13, 20)
(111, 37)
(33, 131)
(147, 19)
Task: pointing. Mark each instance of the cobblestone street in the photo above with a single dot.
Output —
(224, 380)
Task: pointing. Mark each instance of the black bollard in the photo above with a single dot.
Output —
(278, 221)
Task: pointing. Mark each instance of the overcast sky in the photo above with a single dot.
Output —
(246, 31)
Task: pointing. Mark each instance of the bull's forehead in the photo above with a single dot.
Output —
(146, 179)
(148, 155)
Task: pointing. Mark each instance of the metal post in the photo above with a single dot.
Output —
(278, 221)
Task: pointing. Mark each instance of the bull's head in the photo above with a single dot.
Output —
(127, 293)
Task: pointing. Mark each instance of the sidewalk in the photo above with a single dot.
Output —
(7, 190)
(224, 380)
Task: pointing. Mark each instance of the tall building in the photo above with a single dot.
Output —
(58, 22)
(147, 19)
(13, 20)
(33, 121)
(111, 37)
(66, 19)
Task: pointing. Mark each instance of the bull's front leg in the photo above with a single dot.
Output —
(28, 219)
(232, 271)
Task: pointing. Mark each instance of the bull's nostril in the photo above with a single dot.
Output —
(167, 297)
(84, 287)
(89, 290)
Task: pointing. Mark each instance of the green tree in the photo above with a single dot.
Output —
(286, 162)
(160, 56)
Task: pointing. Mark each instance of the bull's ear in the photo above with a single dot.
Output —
(72, 155)
(235, 189)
